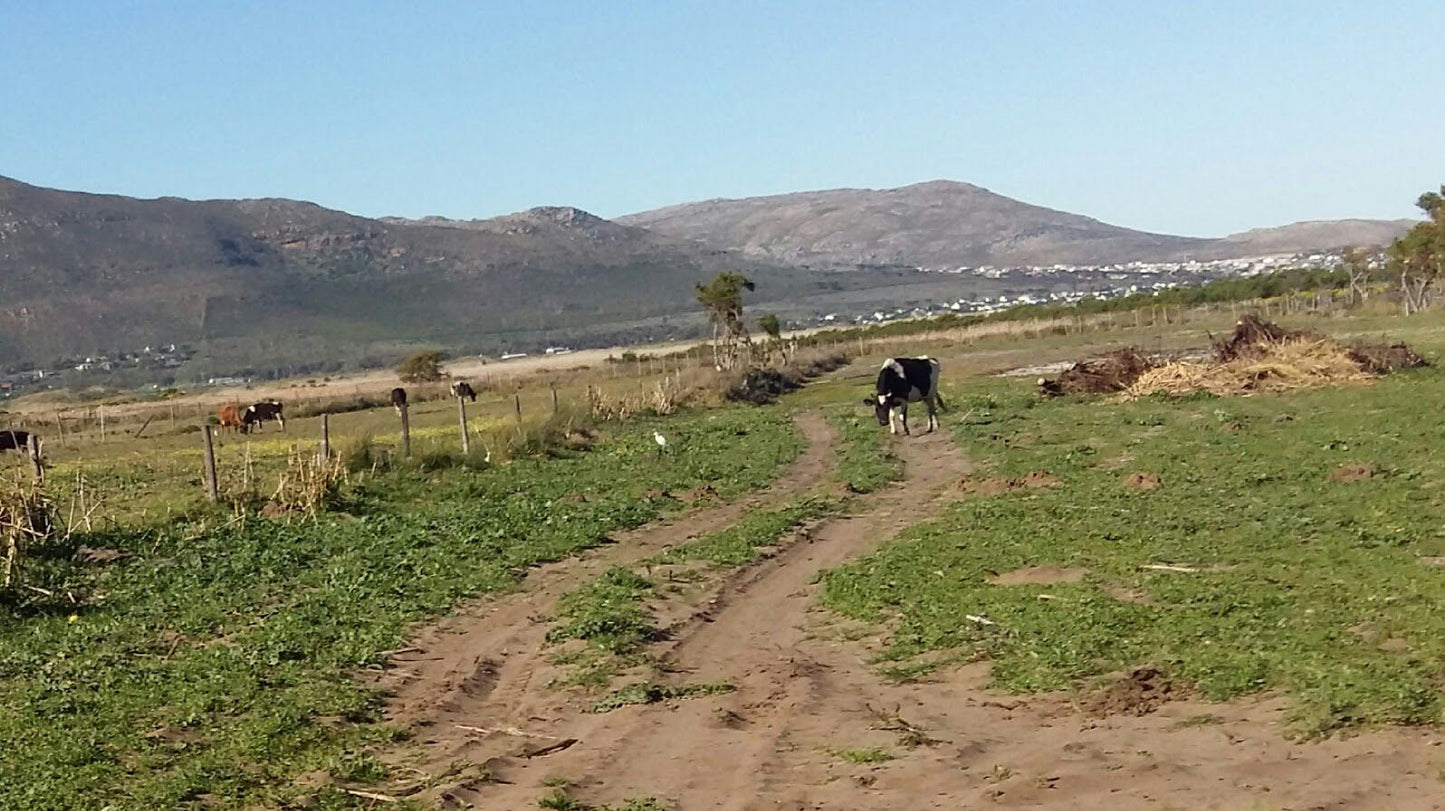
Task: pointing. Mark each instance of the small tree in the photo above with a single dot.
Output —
(423, 367)
(1356, 263)
(722, 300)
(1419, 255)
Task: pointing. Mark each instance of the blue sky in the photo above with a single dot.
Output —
(1192, 118)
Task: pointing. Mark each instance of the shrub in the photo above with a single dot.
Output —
(423, 367)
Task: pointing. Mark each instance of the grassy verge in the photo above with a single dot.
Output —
(211, 663)
(1293, 577)
(864, 461)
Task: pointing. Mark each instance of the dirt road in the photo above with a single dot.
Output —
(479, 695)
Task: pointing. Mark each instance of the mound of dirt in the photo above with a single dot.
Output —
(1111, 372)
(1141, 481)
(1382, 359)
(1139, 693)
(1352, 473)
(1253, 337)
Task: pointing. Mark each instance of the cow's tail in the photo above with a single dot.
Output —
(938, 399)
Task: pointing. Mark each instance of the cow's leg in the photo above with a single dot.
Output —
(281, 422)
(932, 412)
(892, 420)
(903, 412)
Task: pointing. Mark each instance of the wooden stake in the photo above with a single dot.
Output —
(462, 420)
(517, 406)
(60, 427)
(173, 416)
(101, 409)
(325, 437)
(405, 431)
(212, 492)
(554, 399)
(37, 466)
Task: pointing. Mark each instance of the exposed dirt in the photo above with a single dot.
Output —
(994, 486)
(476, 693)
(1038, 576)
(1138, 693)
(1352, 473)
(1141, 481)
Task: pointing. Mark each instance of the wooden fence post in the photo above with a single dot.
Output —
(462, 419)
(37, 467)
(60, 427)
(212, 491)
(325, 437)
(554, 400)
(101, 409)
(517, 406)
(173, 416)
(405, 431)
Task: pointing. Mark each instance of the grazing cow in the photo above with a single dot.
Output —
(255, 415)
(902, 381)
(229, 418)
(398, 399)
(11, 440)
(462, 388)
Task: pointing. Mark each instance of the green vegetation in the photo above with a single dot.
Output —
(560, 800)
(211, 663)
(744, 541)
(1418, 257)
(422, 367)
(862, 757)
(606, 612)
(1285, 578)
(648, 693)
(864, 461)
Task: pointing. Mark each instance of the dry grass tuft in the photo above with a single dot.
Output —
(27, 516)
(308, 484)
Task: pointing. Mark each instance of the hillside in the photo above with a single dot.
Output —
(275, 284)
(948, 224)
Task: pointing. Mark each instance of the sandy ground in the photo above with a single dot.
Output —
(493, 733)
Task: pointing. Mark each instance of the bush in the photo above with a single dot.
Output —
(423, 367)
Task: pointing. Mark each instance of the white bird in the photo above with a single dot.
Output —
(660, 440)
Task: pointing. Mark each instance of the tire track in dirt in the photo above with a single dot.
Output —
(802, 690)
(490, 655)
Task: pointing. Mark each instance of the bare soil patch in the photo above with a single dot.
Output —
(1352, 473)
(994, 486)
(1142, 481)
(1038, 576)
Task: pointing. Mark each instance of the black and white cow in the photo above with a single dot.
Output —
(14, 440)
(462, 388)
(259, 413)
(398, 399)
(902, 381)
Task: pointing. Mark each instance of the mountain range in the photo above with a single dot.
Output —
(273, 286)
(945, 224)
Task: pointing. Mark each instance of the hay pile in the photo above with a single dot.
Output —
(1261, 357)
(1108, 373)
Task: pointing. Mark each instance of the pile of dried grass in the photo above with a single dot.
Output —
(1282, 366)
(1111, 372)
(1257, 356)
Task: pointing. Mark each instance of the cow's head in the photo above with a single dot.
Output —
(882, 406)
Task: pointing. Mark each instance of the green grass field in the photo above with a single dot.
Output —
(1319, 588)
(212, 664)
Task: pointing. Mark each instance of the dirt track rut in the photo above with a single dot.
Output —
(802, 693)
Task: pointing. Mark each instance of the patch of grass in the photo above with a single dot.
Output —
(862, 757)
(560, 800)
(214, 659)
(648, 693)
(1285, 566)
(864, 461)
(742, 542)
(607, 612)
